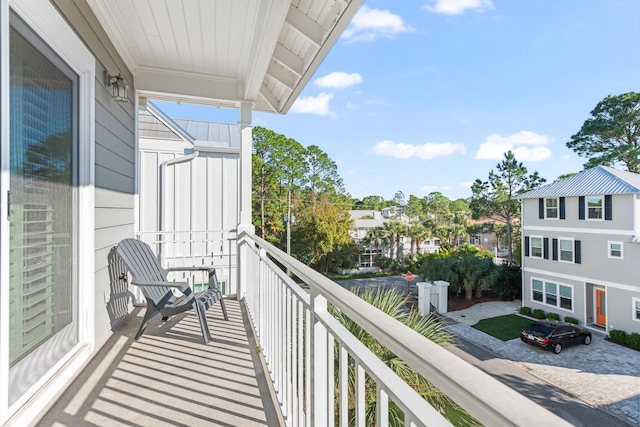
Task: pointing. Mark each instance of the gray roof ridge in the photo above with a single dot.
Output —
(168, 121)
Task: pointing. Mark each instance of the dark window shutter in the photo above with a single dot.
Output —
(526, 245)
(541, 208)
(554, 249)
(545, 248)
(578, 252)
(581, 207)
(608, 208)
(562, 213)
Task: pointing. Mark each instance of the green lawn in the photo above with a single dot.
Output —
(504, 328)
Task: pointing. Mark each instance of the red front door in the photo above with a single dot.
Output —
(601, 307)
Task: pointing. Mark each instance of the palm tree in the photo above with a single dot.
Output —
(417, 233)
(393, 303)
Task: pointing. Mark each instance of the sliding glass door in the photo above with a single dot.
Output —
(42, 209)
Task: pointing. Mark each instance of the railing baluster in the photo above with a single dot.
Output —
(360, 400)
(382, 406)
(344, 387)
(331, 391)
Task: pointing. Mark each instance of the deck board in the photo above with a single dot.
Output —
(171, 378)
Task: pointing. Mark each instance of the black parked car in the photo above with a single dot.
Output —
(553, 335)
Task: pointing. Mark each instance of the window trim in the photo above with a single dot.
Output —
(615, 242)
(635, 310)
(541, 247)
(573, 250)
(557, 208)
(587, 216)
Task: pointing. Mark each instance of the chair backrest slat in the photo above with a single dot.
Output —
(144, 267)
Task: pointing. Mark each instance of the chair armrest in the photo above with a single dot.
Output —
(179, 285)
(204, 268)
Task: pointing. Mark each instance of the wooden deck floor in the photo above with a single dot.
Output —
(171, 378)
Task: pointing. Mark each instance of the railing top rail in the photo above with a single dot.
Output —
(229, 231)
(487, 399)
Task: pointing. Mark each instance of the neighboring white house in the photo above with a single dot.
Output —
(202, 157)
(366, 220)
(581, 248)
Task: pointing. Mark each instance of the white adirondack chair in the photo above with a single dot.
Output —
(151, 278)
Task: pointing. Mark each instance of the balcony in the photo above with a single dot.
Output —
(282, 359)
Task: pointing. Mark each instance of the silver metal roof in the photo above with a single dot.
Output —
(598, 180)
(226, 134)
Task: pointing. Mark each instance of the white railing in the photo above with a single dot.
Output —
(308, 353)
(207, 248)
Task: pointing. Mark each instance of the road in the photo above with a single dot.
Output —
(557, 401)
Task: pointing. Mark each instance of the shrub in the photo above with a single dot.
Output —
(633, 340)
(570, 319)
(552, 316)
(525, 310)
(538, 313)
(509, 283)
(618, 336)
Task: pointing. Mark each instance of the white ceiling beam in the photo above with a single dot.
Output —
(187, 85)
(304, 25)
(289, 59)
(283, 75)
(270, 98)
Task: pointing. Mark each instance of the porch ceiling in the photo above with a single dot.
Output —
(223, 52)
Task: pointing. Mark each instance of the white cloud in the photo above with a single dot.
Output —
(369, 24)
(457, 7)
(313, 104)
(526, 146)
(429, 150)
(338, 79)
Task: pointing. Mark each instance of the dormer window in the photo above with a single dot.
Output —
(551, 208)
(595, 207)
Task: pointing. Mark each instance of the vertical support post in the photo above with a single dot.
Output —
(443, 295)
(244, 180)
(319, 370)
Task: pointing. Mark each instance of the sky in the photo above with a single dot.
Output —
(427, 95)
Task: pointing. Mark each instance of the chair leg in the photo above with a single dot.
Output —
(198, 307)
(224, 308)
(213, 284)
(148, 315)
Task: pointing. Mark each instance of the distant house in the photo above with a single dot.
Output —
(581, 248)
(365, 220)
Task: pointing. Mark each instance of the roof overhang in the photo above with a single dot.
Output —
(224, 52)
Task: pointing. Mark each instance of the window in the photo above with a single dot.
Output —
(615, 250)
(536, 289)
(566, 297)
(536, 247)
(595, 207)
(551, 294)
(636, 309)
(566, 249)
(551, 208)
(554, 294)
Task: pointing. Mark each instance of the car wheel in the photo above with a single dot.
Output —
(587, 340)
(557, 348)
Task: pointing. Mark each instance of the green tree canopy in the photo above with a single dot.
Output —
(496, 197)
(611, 135)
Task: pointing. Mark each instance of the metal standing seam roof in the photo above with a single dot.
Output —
(227, 134)
(595, 181)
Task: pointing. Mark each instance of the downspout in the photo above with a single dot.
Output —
(161, 198)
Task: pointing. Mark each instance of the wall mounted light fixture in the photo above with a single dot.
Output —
(116, 86)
